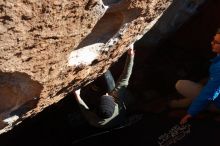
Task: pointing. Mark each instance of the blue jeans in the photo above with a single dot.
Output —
(110, 82)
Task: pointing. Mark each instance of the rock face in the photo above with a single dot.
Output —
(48, 48)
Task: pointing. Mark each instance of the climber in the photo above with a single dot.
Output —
(111, 110)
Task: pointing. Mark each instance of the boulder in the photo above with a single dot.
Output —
(49, 48)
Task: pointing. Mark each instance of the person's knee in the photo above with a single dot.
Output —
(180, 84)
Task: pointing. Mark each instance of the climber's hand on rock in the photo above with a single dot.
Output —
(131, 50)
(77, 92)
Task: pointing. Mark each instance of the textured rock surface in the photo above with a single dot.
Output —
(48, 48)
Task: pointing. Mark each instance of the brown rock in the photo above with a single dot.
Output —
(48, 48)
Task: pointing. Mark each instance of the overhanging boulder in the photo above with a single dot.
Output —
(48, 48)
